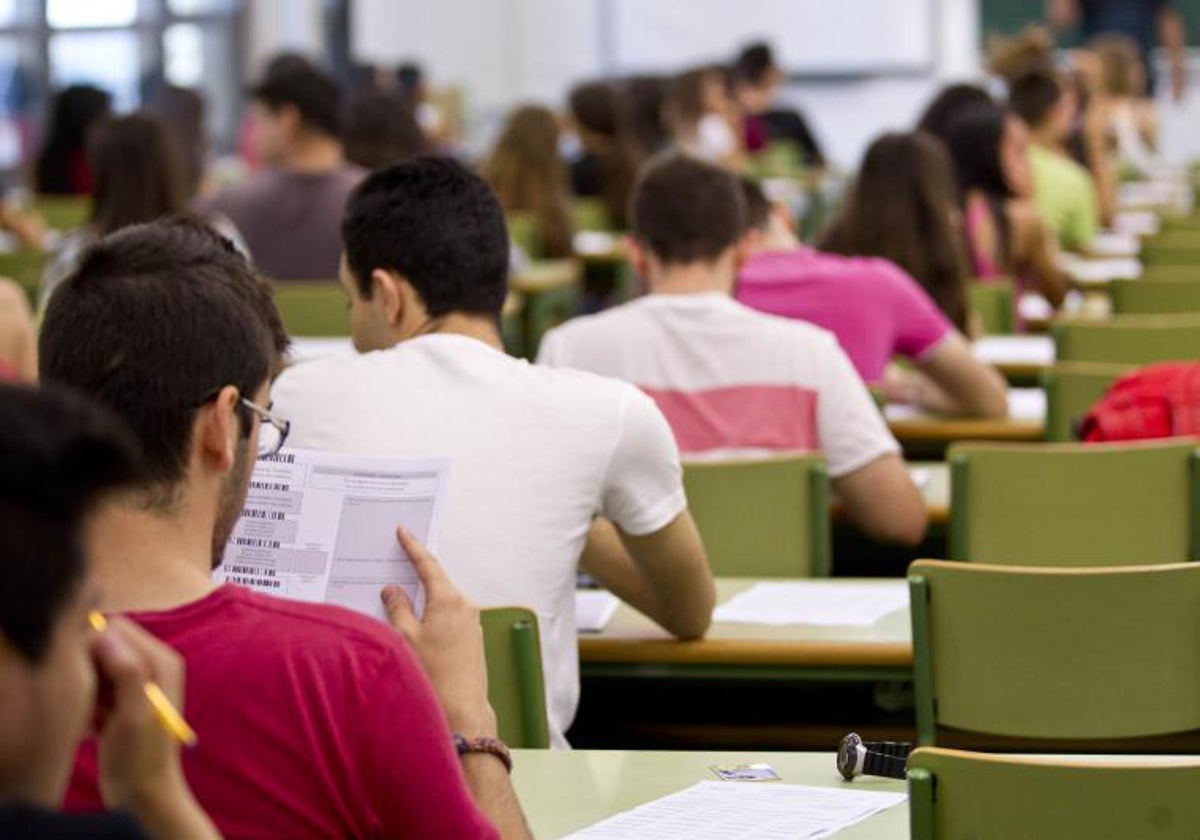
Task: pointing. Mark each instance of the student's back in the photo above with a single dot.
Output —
(309, 719)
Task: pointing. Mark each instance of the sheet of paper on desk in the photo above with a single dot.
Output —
(1137, 222)
(594, 608)
(821, 603)
(728, 810)
(321, 527)
(1015, 349)
(1099, 271)
(305, 349)
(1027, 404)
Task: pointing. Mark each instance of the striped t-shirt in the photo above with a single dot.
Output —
(731, 381)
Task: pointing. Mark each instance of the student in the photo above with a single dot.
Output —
(702, 117)
(18, 335)
(62, 165)
(1006, 236)
(538, 454)
(1063, 191)
(381, 128)
(1132, 122)
(729, 379)
(951, 101)
(138, 177)
(608, 165)
(312, 721)
(644, 96)
(528, 176)
(289, 212)
(59, 456)
(874, 308)
(903, 206)
(757, 79)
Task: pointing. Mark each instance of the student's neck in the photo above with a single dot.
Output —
(144, 560)
(1046, 138)
(777, 240)
(314, 155)
(693, 279)
(479, 327)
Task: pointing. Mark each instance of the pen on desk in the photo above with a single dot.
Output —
(164, 710)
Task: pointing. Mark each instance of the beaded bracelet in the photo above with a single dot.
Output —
(492, 746)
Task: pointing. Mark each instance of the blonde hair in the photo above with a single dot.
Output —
(1120, 59)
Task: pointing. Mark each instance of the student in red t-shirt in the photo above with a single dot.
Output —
(312, 721)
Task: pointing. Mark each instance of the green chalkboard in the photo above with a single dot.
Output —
(1009, 16)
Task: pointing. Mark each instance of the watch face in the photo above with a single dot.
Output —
(847, 757)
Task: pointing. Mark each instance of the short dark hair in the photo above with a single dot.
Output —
(436, 223)
(758, 206)
(58, 454)
(312, 93)
(754, 62)
(381, 128)
(154, 320)
(1033, 95)
(973, 140)
(685, 210)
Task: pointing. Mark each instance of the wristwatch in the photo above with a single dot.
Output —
(492, 746)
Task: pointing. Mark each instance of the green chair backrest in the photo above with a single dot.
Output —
(956, 794)
(1071, 389)
(1155, 297)
(992, 301)
(1174, 223)
(313, 308)
(516, 686)
(1074, 504)
(1172, 247)
(1128, 339)
(765, 518)
(779, 159)
(26, 268)
(63, 212)
(1158, 273)
(1055, 654)
(590, 214)
(525, 230)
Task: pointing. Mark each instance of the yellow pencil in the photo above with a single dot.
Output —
(164, 709)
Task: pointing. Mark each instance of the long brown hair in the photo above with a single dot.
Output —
(137, 171)
(528, 175)
(603, 119)
(903, 207)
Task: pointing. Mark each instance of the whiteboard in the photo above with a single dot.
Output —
(808, 36)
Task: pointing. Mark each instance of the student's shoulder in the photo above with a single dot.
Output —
(779, 328)
(599, 323)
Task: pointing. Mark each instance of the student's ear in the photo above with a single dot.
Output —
(388, 296)
(219, 428)
(639, 258)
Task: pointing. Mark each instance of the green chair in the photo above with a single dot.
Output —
(779, 159)
(1172, 247)
(992, 301)
(765, 518)
(1072, 504)
(313, 308)
(590, 214)
(516, 686)
(1158, 273)
(26, 268)
(1071, 389)
(525, 230)
(955, 794)
(1155, 297)
(1128, 339)
(552, 292)
(63, 212)
(1055, 658)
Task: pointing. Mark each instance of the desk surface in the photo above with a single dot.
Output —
(631, 638)
(563, 791)
(546, 275)
(1016, 355)
(1026, 422)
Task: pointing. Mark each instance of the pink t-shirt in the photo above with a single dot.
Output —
(313, 722)
(873, 307)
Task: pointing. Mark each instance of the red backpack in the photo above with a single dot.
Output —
(1157, 401)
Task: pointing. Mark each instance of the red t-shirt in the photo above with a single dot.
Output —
(312, 721)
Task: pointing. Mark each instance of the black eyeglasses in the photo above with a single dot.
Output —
(272, 431)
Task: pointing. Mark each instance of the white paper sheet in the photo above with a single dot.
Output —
(1110, 244)
(1137, 222)
(819, 603)
(321, 527)
(1099, 271)
(594, 242)
(921, 476)
(1014, 349)
(1027, 404)
(594, 608)
(306, 349)
(733, 810)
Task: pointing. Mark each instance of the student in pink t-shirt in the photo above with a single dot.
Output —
(876, 311)
(313, 722)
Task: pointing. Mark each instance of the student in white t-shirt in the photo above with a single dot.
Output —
(731, 380)
(552, 470)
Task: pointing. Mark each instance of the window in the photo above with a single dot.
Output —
(130, 48)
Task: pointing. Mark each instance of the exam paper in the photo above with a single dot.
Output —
(305, 349)
(1099, 271)
(820, 603)
(1027, 404)
(594, 608)
(321, 527)
(732, 810)
(1014, 349)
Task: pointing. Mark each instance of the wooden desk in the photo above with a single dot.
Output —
(1025, 423)
(542, 276)
(633, 645)
(563, 791)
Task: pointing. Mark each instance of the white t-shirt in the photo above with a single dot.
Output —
(731, 380)
(536, 454)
